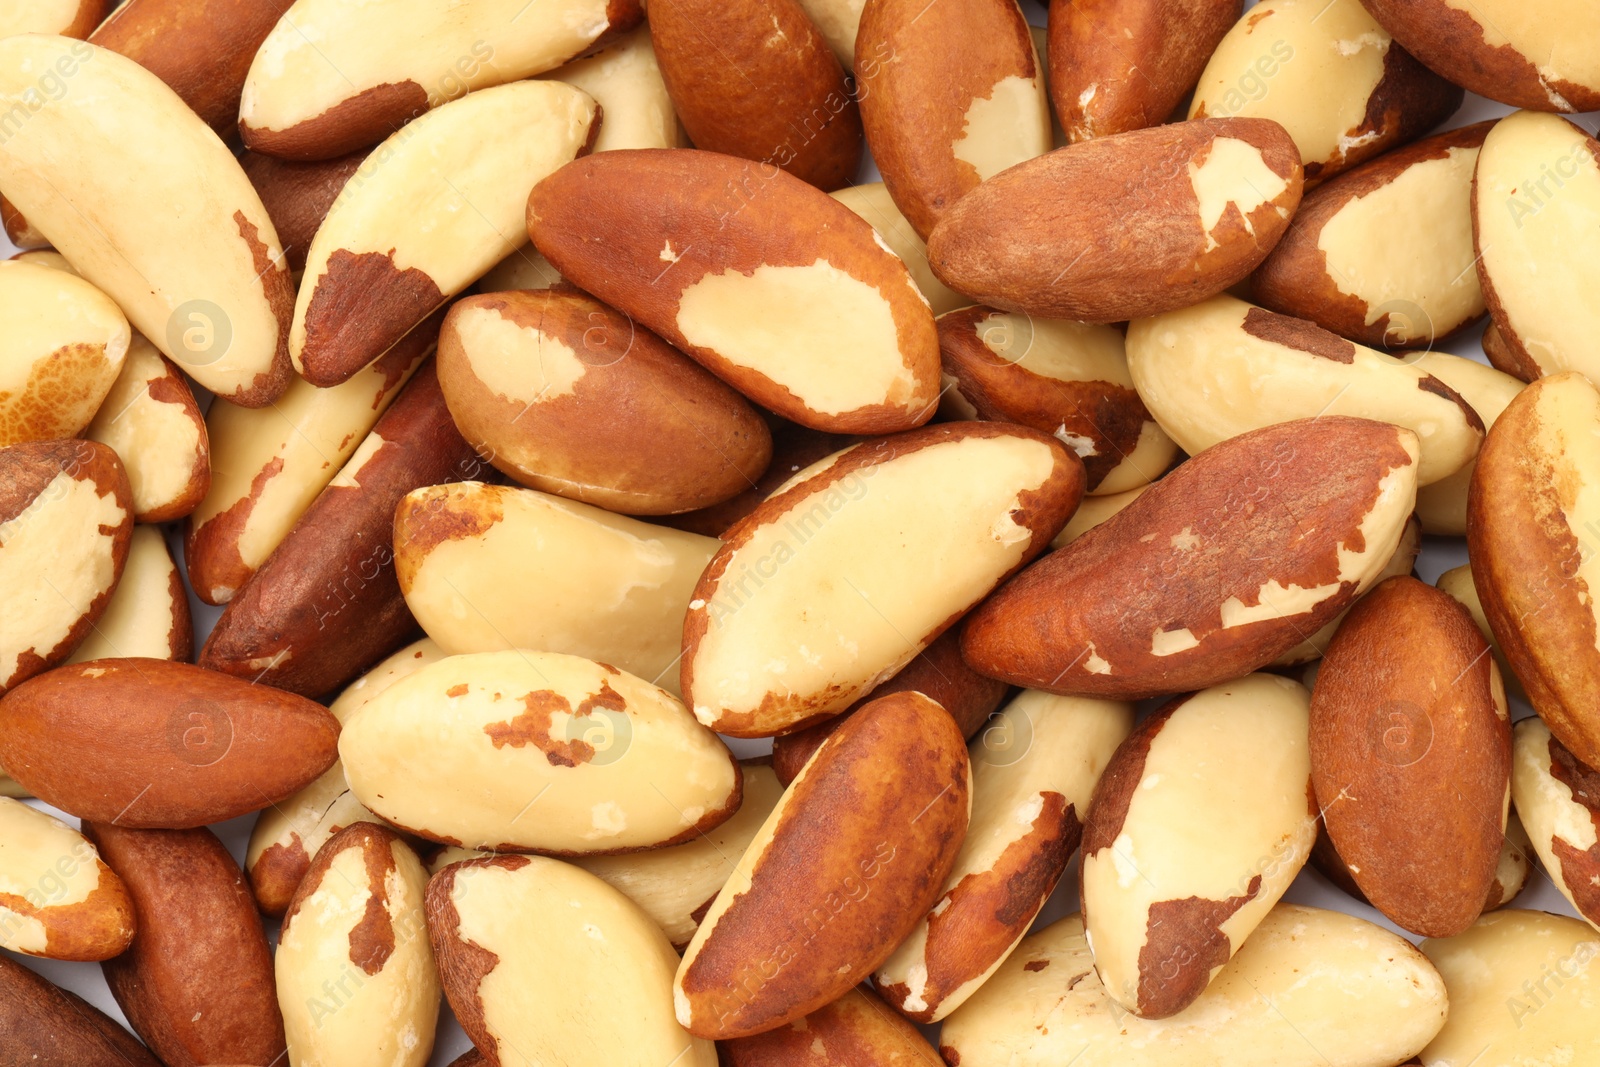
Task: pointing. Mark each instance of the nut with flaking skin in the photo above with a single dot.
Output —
(460, 751)
(803, 119)
(849, 861)
(149, 743)
(609, 588)
(1225, 564)
(208, 285)
(333, 77)
(871, 200)
(1402, 562)
(779, 290)
(42, 1025)
(1531, 520)
(297, 196)
(425, 215)
(1411, 756)
(857, 1030)
(960, 98)
(1442, 506)
(355, 973)
(844, 575)
(1225, 367)
(1196, 206)
(1034, 769)
(1558, 799)
(1309, 988)
(59, 500)
(1538, 188)
(1336, 81)
(1168, 895)
(625, 80)
(567, 396)
(1120, 65)
(1067, 379)
(197, 984)
(1347, 266)
(148, 615)
(545, 963)
(58, 899)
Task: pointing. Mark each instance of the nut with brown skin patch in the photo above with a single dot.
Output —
(1403, 562)
(42, 1025)
(857, 1030)
(1558, 800)
(794, 448)
(297, 196)
(1442, 506)
(58, 899)
(148, 615)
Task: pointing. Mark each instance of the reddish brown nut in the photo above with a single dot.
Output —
(197, 984)
(1411, 756)
(297, 196)
(42, 1025)
(1503, 359)
(148, 743)
(856, 1029)
(1223, 565)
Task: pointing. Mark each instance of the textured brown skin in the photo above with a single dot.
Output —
(1271, 504)
(197, 984)
(278, 289)
(326, 604)
(359, 309)
(470, 1058)
(424, 522)
(1524, 560)
(22, 233)
(148, 743)
(1452, 42)
(201, 48)
(881, 811)
(96, 928)
(645, 430)
(736, 93)
(1326, 859)
(938, 672)
(1419, 822)
(1110, 415)
(1043, 512)
(26, 470)
(941, 57)
(602, 221)
(1141, 56)
(857, 1030)
(372, 940)
(1580, 868)
(173, 388)
(1295, 278)
(1503, 358)
(463, 964)
(1058, 237)
(42, 1025)
(297, 196)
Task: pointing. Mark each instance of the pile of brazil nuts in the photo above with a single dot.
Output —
(517, 548)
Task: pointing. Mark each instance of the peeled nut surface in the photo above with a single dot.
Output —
(871, 200)
(1558, 799)
(148, 615)
(1442, 506)
(625, 80)
(58, 899)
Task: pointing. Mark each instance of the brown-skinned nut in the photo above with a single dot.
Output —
(858, 1028)
(42, 1025)
(297, 196)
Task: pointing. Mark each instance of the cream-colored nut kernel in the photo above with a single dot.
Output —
(838, 21)
(1093, 511)
(64, 345)
(1458, 583)
(70, 18)
(1403, 560)
(536, 751)
(1224, 367)
(1558, 800)
(151, 419)
(58, 899)
(526, 268)
(1442, 506)
(148, 616)
(1511, 873)
(100, 170)
(625, 80)
(1310, 988)
(871, 200)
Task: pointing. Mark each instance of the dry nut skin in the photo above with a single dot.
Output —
(1411, 756)
(148, 616)
(458, 751)
(625, 80)
(780, 291)
(297, 196)
(197, 984)
(567, 396)
(472, 558)
(1310, 988)
(209, 285)
(1197, 207)
(268, 466)
(872, 202)
(288, 834)
(1330, 75)
(58, 899)
(1211, 372)
(835, 583)
(64, 345)
(1442, 506)
(960, 98)
(425, 215)
(675, 886)
(148, 743)
(544, 963)
(44, 1026)
(333, 76)
(1034, 769)
(714, 55)
(355, 973)
(1558, 799)
(1522, 991)
(66, 519)
(1544, 56)
(1226, 563)
(1535, 497)
(853, 856)
(1066, 379)
(1537, 191)
(326, 604)
(1401, 563)
(1120, 65)
(857, 1030)
(1352, 261)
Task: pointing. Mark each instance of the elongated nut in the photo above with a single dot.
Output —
(42, 1025)
(148, 616)
(150, 417)
(1558, 798)
(625, 80)
(58, 899)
